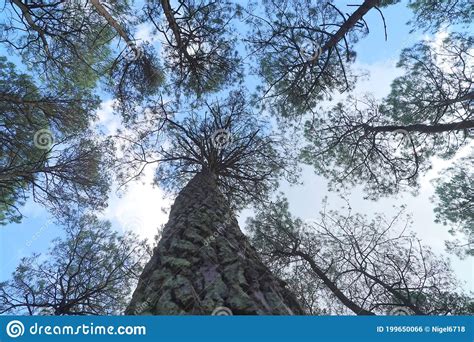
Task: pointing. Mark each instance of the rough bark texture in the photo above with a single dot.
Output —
(203, 261)
(349, 23)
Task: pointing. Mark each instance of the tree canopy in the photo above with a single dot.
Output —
(226, 89)
(89, 271)
(455, 203)
(47, 151)
(386, 146)
(346, 262)
(224, 137)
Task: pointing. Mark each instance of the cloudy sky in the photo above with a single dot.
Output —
(141, 208)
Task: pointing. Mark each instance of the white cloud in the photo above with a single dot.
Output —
(381, 75)
(145, 33)
(306, 200)
(139, 208)
(436, 44)
(106, 118)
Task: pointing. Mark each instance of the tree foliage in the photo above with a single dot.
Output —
(224, 137)
(455, 203)
(437, 86)
(47, 151)
(358, 265)
(300, 54)
(433, 15)
(199, 46)
(64, 37)
(72, 40)
(89, 271)
(302, 51)
(387, 146)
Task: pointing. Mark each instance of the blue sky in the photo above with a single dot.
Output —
(139, 208)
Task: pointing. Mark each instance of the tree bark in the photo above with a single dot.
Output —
(350, 23)
(111, 21)
(203, 261)
(350, 304)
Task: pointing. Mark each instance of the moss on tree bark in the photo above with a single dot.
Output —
(204, 261)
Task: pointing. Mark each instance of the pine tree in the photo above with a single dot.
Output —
(203, 260)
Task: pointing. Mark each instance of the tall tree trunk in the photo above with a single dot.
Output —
(203, 261)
